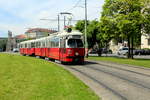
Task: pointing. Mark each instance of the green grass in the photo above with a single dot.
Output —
(136, 62)
(27, 78)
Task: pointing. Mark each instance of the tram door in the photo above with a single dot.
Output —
(62, 50)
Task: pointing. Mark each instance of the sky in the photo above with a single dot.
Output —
(20, 15)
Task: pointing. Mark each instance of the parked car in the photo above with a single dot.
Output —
(142, 52)
(15, 49)
(106, 51)
(123, 51)
(92, 51)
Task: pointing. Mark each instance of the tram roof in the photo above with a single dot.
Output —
(59, 34)
(64, 33)
(71, 33)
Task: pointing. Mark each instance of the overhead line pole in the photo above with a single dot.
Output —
(85, 38)
(58, 24)
(64, 22)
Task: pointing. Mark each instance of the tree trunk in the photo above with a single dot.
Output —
(106, 48)
(129, 56)
(132, 47)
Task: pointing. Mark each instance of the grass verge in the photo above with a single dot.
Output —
(136, 62)
(27, 78)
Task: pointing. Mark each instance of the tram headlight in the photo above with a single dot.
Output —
(77, 54)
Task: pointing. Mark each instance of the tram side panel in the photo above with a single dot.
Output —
(37, 48)
(43, 48)
(32, 48)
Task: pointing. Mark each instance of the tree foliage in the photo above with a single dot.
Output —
(3, 43)
(92, 31)
(123, 19)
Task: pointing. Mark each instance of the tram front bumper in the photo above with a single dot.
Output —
(76, 58)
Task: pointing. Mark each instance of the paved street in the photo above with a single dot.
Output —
(122, 56)
(114, 81)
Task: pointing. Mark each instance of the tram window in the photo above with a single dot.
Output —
(43, 44)
(46, 43)
(57, 42)
(36, 44)
(39, 44)
(79, 43)
(72, 43)
(52, 42)
(28, 45)
(25, 45)
(32, 44)
(62, 43)
(49, 43)
(75, 43)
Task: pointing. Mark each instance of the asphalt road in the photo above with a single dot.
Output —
(122, 56)
(114, 81)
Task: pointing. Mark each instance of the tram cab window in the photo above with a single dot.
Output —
(75, 43)
(79, 43)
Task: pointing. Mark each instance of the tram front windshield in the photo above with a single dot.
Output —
(75, 43)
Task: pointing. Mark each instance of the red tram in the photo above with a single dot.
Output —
(62, 46)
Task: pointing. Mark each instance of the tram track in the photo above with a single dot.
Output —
(119, 76)
(123, 84)
(126, 69)
(101, 83)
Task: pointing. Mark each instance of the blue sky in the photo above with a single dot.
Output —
(19, 15)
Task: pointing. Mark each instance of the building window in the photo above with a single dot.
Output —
(148, 41)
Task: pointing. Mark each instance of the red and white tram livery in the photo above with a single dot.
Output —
(63, 46)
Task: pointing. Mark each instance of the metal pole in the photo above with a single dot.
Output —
(58, 24)
(64, 21)
(86, 43)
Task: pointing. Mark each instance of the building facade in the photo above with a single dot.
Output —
(12, 42)
(38, 33)
(145, 41)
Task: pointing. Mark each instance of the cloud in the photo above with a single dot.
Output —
(18, 15)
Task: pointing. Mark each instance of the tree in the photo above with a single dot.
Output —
(146, 16)
(80, 25)
(106, 30)
(3, 43)
(126, 14)
(92, 31)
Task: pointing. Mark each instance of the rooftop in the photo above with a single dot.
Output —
(39, 30)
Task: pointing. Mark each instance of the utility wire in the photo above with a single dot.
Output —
(76, 5)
